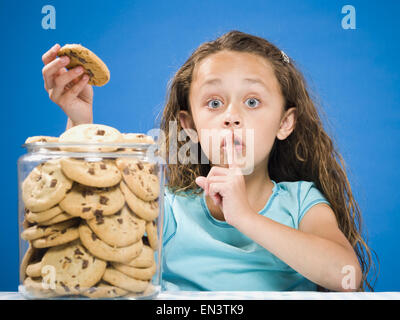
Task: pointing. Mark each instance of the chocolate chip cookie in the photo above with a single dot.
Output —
(102, 173)
(89, 202)
(106, 252)
(45, 186)
(120, 229)
(97, 70)
(88, 134)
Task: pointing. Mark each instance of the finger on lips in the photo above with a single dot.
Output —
(230, 150)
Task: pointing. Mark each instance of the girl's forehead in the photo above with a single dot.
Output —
(243, 64)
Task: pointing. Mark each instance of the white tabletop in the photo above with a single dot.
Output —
(254, 295)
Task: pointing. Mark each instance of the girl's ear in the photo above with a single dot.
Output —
(288, 124)
(188, 125)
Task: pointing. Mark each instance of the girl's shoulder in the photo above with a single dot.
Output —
(295, 187)
(302, 192)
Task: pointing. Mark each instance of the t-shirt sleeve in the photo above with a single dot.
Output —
(308, 196)
(169, 225)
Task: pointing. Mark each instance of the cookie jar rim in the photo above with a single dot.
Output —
(84, 144)
(55, 148)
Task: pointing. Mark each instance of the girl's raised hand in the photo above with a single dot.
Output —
(68, 88)
(226, 186)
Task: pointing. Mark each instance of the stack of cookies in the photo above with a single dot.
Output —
(91, 223)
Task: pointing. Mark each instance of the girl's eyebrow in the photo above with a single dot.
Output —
(248, 80)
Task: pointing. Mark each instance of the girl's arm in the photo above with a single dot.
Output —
(318, 250)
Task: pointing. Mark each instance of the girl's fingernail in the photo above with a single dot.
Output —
(79, 70)
(64, 59)
(85, 77)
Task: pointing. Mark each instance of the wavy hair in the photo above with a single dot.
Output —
(307, 154)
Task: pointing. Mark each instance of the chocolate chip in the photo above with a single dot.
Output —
(77, 287)
(82, 60)
(85, 264)
(68, 259)
(73, 54)
(94, 237)
(78, 252)
(91, 171)
(90, 73)
(99, 217)
(87, 192)
(103, 166)
(86, 209)
(63, 231)
(51, 173)
(100, 132)
(53, 183)
(120, 220)
(140, 166)
(126, 171)
(64, 286)
(103, 200)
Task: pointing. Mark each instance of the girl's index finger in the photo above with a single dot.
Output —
(230, 150)
(50, 55)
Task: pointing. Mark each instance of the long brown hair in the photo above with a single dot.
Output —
(307, 154)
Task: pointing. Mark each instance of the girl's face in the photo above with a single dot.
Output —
(236, 92)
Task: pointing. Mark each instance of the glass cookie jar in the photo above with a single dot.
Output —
(90, 220)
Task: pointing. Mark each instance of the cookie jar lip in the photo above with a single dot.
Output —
(101, 149)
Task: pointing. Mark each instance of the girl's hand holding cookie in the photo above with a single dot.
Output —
(68, 88)
(227, 188)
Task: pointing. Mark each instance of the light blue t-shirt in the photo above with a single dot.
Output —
(203, 253)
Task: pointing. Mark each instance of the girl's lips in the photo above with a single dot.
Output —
(238, 147)
(237, 142)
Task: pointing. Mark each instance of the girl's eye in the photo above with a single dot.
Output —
(253, 102)
(214, 103)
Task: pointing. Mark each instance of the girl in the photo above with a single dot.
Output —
(292, 222)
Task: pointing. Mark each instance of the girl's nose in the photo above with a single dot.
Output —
(232, 121)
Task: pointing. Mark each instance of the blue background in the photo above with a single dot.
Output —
(353, 73)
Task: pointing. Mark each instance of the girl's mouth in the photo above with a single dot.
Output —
(237, 142)
(238, 145)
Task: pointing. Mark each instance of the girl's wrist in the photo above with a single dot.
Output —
(245, 220)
